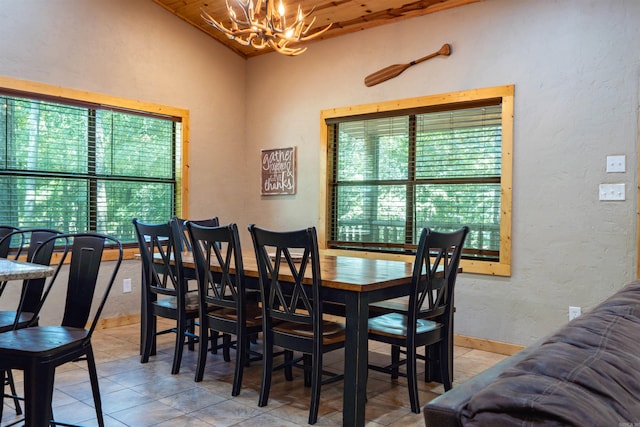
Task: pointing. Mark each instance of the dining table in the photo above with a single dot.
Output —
(20, 270)
(352, 283)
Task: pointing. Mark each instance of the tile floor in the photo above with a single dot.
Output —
(139, 395)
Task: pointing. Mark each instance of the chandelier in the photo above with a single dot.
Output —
(253, 27)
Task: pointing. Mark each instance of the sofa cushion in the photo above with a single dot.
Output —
(587, 373)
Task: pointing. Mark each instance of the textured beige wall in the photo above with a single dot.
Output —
(134, 49)
(575, 68)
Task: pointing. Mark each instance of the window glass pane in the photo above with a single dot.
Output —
(461, 143)
(35, 202)
(121, 201)
(133, 145)
(445, 207)
(392, 176)
(373, 149)
(46, 137)
(77, 168)
(371, 213)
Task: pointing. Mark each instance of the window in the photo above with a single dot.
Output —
(440, 161)
(75, 165)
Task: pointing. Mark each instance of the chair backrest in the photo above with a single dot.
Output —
(38, 252)
(207, 222)
(5, 244)
(160, 251)
(219, 246)
(283, 259)
(434, 274)
(32, 289)
(86, 251)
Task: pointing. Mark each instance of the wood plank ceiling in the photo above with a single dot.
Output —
(346, 16)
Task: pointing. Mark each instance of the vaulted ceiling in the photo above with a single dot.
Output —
(346, 16)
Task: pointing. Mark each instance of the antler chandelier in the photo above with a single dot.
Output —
(250, 27)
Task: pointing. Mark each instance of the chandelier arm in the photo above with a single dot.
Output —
(248, 14)
(314, 35)
(248, 29)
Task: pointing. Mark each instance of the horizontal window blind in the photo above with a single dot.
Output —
(392, 176)
(76, 168)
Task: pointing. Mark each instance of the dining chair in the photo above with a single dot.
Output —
(207, 222)
(223, 298)
(30, 295)
(428, 320)
(39, 349)
(5, 243)
(292, 309)
(165, 290)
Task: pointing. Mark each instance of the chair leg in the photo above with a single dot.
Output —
(267, 368)
(181, 329)
(316, 383)
(446, 364)
(38, 389)
(308, 370)
(288, 369)
(214, 341)
(226, 347)
(203, 350)
(241, 356)
(191, 328)
(8, 379)
(412, 380)
(148, 339)
(95, 389)
(395, 362)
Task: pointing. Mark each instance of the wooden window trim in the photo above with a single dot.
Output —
(126, 104)
(506, 93)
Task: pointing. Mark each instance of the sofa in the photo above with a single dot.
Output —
(587, 373)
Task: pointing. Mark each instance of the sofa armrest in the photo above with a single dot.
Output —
(446, 409)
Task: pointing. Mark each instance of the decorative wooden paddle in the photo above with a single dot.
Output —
(394, 70)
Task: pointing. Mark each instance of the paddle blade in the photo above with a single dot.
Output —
(385, 74)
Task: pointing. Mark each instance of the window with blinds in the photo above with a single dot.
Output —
(78, 167)
(392, 173)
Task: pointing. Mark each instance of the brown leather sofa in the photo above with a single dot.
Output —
(587, 373)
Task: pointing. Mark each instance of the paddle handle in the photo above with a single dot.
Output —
(445, 50)
(394, 70)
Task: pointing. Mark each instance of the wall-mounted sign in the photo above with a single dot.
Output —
(278, 171)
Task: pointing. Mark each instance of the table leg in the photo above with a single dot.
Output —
(356, 359)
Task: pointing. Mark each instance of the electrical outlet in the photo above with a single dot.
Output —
(574, 312)
(126, 286)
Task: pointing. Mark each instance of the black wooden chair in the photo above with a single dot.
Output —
(223, 304)
(428, 320)
(292, 309)
(31, 293)
(39, 349)
(207, 222)
(165, 291)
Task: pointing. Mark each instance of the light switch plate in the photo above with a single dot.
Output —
(614, 192)
(616, 163)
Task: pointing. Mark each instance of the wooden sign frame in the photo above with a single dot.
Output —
(278, 171)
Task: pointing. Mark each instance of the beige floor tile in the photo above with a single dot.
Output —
(139, 395)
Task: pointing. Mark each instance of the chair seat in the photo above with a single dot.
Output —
(395, 325)
(401, 305)
(253, 315)
(390, 305)
(8, 317)
(191, 302)
(332, 332)
(41, 341)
